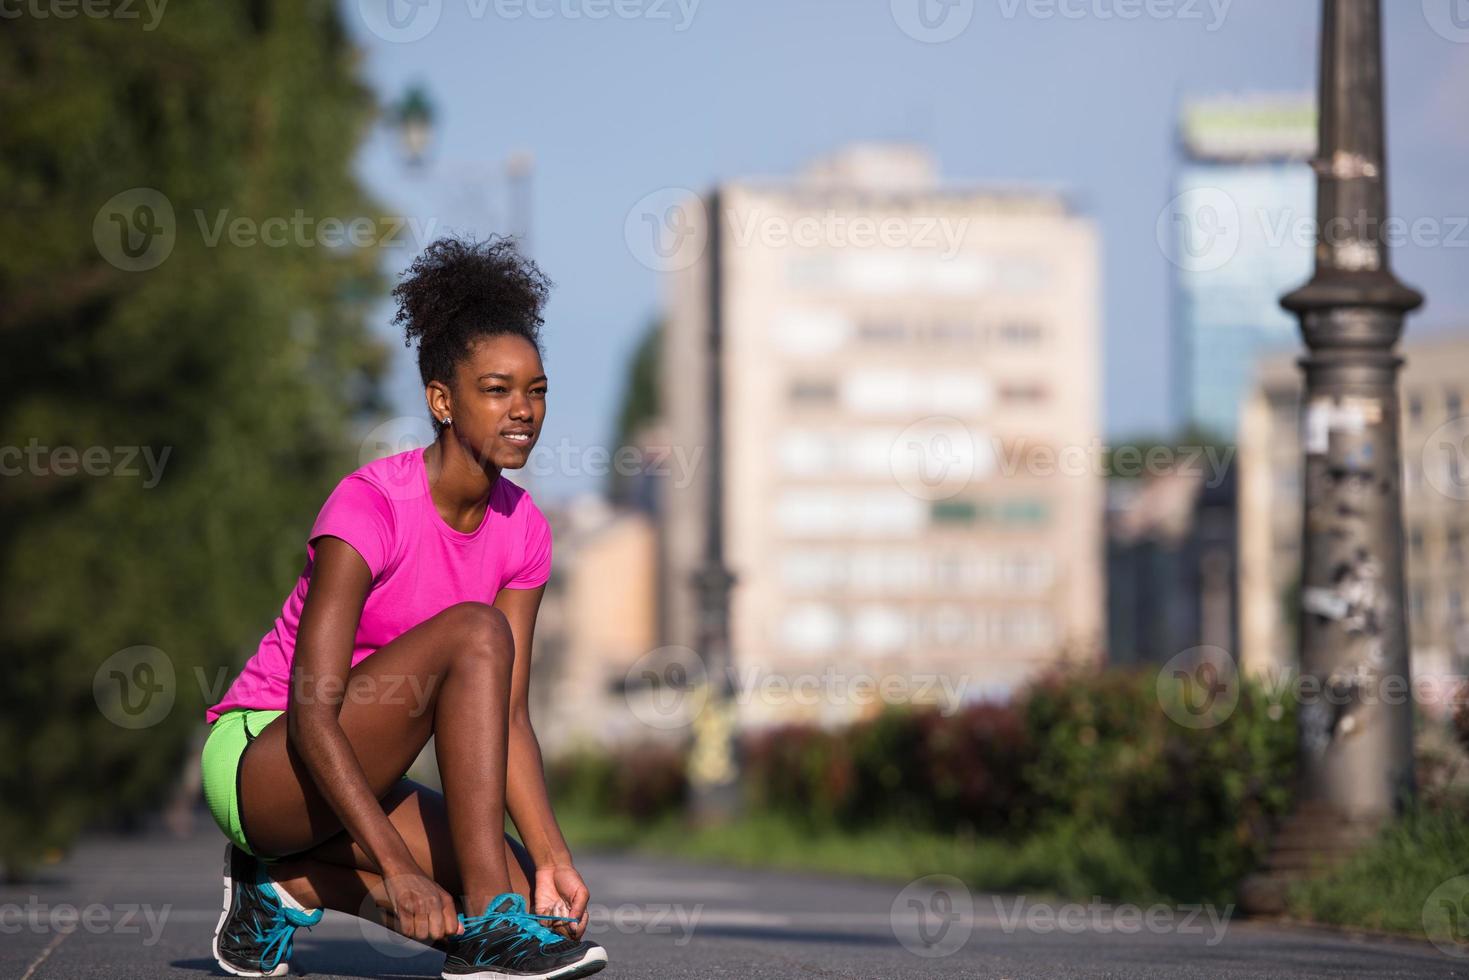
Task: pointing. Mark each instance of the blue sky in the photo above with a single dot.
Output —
(684, 93)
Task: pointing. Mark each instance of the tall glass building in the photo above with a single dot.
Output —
(1240, 232)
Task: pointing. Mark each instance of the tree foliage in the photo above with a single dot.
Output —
(245, 363)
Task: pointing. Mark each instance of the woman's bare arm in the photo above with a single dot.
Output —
(340, 580)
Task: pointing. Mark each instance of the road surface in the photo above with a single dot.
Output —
(145, 907)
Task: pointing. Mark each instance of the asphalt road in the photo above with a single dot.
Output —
(145, 907)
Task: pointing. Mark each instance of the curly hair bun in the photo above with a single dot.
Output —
(459, 290)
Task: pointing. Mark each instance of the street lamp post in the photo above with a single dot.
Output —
(713, 768)
(1355, 737)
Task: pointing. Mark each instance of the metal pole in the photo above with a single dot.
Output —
(1356, 710)
(1356, 737)
(713, 758)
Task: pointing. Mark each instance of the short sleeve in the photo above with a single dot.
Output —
(535, 566)
(361, 515)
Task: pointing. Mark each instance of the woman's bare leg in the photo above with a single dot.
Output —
(338, 875)
(448, 677)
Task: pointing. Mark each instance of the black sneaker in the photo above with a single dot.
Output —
(253, 937)
(508, 941)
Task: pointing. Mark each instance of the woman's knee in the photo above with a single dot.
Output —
(480, 634)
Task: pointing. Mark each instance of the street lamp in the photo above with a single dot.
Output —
(414, 118)
(1355, 743)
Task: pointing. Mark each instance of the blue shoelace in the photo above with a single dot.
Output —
(516, 916)
(284, 923)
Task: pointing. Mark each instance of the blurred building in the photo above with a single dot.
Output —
(1434, 385)
(598, 617)
(1171, 565)
(1243, 235)
(910, 428)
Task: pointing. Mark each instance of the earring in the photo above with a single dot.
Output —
(447, 420)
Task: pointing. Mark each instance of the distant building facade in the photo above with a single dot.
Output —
(1242, 237)
(1435, 436)
(1172, 554)
(910, 428)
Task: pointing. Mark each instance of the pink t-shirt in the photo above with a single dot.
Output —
(420, 565)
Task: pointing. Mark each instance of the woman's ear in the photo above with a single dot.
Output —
(440, 405)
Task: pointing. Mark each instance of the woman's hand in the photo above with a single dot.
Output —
(423, 910)
(560, 891)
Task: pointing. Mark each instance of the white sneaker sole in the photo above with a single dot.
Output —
(592, 961)
(229, 887)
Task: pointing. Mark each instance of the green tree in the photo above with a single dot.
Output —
(239, 367)
(640, 399)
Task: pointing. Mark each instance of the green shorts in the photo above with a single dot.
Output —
(220, 766)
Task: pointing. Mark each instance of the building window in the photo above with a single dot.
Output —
(1023, 512)
(881, 331)
(1456, 546)
(1454, 404)
(1022, 394)
(1020, 333)
(1415, 408)
(954, 512)
(1415, 541)
(811, 392)
(1415, 606)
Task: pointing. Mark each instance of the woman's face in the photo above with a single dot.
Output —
(499, 400)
